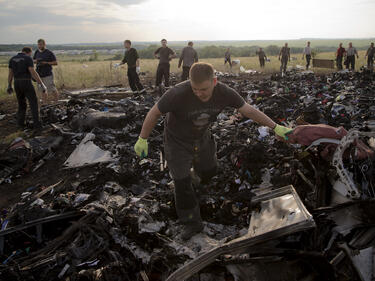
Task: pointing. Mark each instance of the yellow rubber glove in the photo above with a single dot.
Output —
(282, 131)
(141, 148)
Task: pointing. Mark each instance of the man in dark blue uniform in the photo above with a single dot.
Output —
(21, 68)
(44, 60)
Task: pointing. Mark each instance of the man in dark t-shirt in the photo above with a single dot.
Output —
(285, 57)
(132, 59)
(262, 57)
(227, 58)
(188, 56)
(190, 108)
(370, 56)
(164, 54)
(21, 69)
(44, 60)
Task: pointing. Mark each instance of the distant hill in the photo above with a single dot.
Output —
(316, 43)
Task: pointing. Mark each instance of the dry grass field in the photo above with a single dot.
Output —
(77, 74)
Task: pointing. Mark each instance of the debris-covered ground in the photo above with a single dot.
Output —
(90, 210)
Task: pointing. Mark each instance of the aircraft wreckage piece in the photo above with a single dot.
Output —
(38, 224)
(348, 188)
(281, 213)
(88, 153)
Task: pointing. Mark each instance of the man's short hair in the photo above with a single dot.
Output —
(190, 43)
(201, 71)
(128, 41)
(163, 40)
(41, 41)
(27, 50)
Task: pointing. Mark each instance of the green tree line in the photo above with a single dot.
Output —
(218, 51)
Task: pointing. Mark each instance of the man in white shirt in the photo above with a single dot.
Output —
(351, 52)
(307, 53)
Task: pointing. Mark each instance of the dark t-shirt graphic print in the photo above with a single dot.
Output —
(188, 117)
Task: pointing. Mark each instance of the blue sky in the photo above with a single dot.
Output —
(80, 21)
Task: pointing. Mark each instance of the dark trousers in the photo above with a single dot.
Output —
(134, 82)
(181, 156)
(228, 61)
(284, 63)
(25, 90)
(261, 61)
(308, 58)
(370, 62)
(163, 71)
(351, 62)
(339, 62)
(185, 73)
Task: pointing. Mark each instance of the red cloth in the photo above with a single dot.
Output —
(307, 134)
(340, 52)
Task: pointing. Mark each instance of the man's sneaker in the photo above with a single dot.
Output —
(190, 229)
(143, 91)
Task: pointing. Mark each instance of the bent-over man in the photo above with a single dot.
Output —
(190, 108)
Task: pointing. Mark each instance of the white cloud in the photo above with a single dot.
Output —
(146, 20)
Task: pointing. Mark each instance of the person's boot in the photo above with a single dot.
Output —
(190, 229)
(192, 222)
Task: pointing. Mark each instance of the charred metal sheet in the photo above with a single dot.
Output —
(351, 190)
(281, 213)
(38, 224)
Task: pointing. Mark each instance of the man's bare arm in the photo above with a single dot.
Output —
(258, 116)
(150, 121)
(137, 63)
(10, 76)
(35, 75)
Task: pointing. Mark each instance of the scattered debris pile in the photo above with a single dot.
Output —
(275, 211)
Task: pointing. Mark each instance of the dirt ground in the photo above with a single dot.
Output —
(48, 174)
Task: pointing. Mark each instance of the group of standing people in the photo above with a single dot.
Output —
(349, 55)
(21, 70)
(164, 54)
